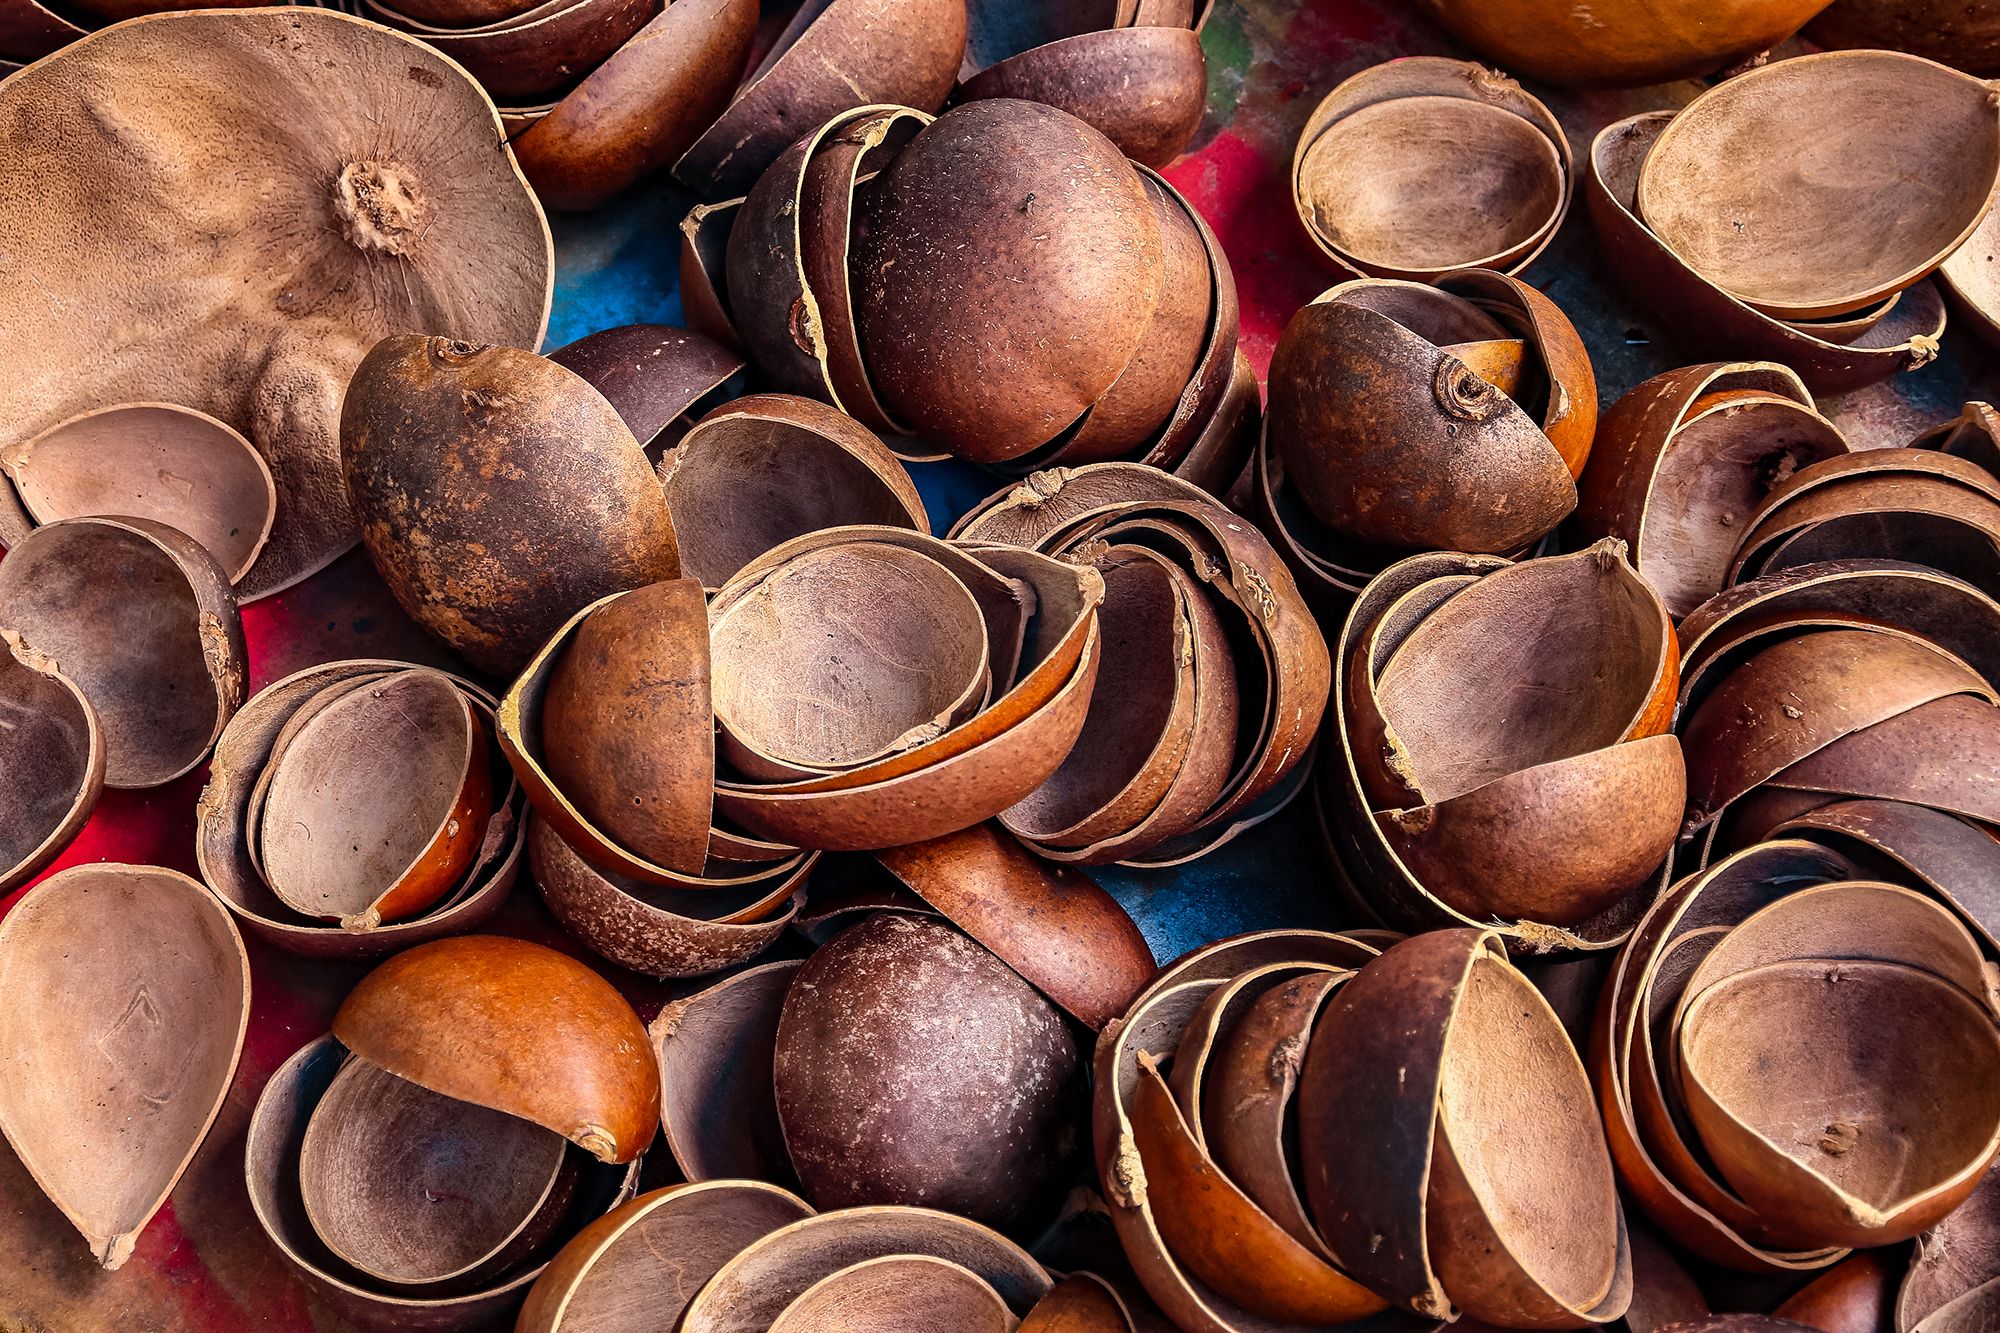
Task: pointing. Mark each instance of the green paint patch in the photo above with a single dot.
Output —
(1226, 43)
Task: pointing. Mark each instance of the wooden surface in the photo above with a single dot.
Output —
(203, 1265)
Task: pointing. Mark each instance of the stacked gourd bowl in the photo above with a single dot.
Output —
(1543, 691)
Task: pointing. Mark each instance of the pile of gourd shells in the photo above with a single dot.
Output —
(1646, 734)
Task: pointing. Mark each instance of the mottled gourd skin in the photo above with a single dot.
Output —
(498, 493)
(913, 1067)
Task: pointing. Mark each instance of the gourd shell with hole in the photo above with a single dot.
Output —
(378, 807)
(761, 470)
(1785, 187)
(170, 464)
(786, 259)
(1709, 321)
(946, 232)
(1069, 938)
(653, 375)
(143, 621)
(513, 1026)
(1144, 87)
(1623, 44)
(129, 993)
(51, 761)
(224, 818)
(447, 449)
(227, 99)
(1681, 462)
(641, 1263)
(1370, 170)
(1393, 441)
(659, 931)
(638, 111)
(913, 1066)
(832, 56)
(271, 1159)
(718, 1110)
(534, 56)
(1454, 1226)
(425, 1194)
(1927, 1088)
(754, 1288)
(1713, 899)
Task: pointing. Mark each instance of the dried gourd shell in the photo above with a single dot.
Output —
(271, 1159)
(391, 200)
(143, 621)
(364, 832)
(1416, 167)
(1966, 36)
(170, 464)
(1874, 1175)
(1968, 278)
(1952, 1259)
(715, 1049)
(1459, 1183)
(639, 109)
(51, 761)
(416, 1189)
(833, 55)
(1956, 862)
(1052, 924)
(651, 1255)
(1854, 1294)
(1772, 185)
(225, 820)
(534, 55)
(1145, 87)
(755, 1287)
(761, 470)
(1061, 319)
(1682, 462)
(1624, 44)
(651, 374)
(659, 931)
(1655, 1166)
(496, 558)
(129, 993)
(898, 1291)
(702, 271)
(1393, 441)
(513, 1026)
(894, 1082)
(1717, 324)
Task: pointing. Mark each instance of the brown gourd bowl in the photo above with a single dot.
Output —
(718, 1107)
(1951, 1259)
(1393, 440)
(757, 1287)
(1779, 187)
(534, 55)
(1708, 320)
(832, 56)
(228, 818)
(1421, 166)
(451, 240)
(889, 1090)
(639, 110)
(51, 762)
(941, 778)
(1145, 86)
(129, 993)
(1682, 464)
(173, 465)
(143, 621)
(278, 1125)
(499, 553)
(653, 375)
(652, 1255)
(1625, 44)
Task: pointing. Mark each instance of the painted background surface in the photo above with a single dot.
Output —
(204, 1264)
